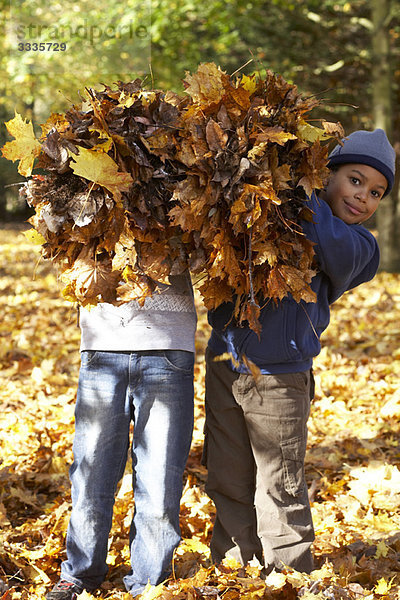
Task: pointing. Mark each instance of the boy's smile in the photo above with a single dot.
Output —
(354, 192)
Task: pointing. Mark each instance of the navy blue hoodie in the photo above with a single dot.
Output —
(347, 255)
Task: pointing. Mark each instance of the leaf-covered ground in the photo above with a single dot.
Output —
(352, 464)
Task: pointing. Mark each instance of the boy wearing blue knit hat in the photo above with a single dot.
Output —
(363, 153)
(256, 429)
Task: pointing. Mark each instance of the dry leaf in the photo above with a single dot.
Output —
(25, 147)
(99, 167)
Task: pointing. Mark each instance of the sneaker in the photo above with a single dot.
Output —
(64, 590)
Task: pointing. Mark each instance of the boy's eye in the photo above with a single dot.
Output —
(375, 194)
(355, 180)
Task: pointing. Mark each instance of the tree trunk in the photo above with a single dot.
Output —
(388, 218)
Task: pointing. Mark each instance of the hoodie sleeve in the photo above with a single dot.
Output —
(347, 254)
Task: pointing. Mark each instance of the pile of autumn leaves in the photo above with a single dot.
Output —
(140, 185)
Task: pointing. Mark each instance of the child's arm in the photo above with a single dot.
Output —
(347, 254)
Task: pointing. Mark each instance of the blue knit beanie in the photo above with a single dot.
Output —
(370, 148)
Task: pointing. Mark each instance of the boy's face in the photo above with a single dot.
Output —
(354, 192)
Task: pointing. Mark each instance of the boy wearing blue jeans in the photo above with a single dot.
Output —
(136, 366)
(256, 429)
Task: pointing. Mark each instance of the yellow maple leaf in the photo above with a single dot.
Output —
(249, 83)
(34, 236)
(99, 167)
(383, 586)
(25, 147)
(309, 133)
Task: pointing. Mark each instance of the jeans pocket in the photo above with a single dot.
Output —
(180, 360)
(88, 357)
(293, 452)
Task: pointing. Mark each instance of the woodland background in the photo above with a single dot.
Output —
(348, 53)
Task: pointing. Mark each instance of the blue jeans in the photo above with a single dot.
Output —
(154, 389)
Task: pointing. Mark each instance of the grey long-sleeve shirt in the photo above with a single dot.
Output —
(167, 321)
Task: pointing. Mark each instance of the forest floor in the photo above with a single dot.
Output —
(352, 464)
